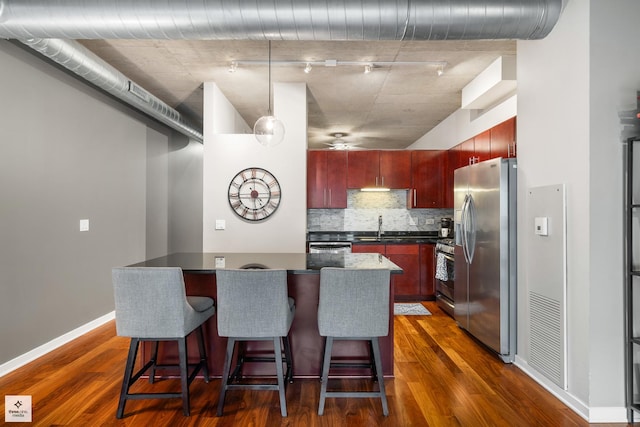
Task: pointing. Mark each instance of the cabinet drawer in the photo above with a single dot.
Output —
(401, 249)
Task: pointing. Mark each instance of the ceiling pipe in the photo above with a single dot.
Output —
(280, 19)
(81, 61)
(40, 24)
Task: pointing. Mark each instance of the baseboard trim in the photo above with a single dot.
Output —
(568, 399)
(591, 415)
(40, 351)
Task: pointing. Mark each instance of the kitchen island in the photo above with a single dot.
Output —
(303, 285)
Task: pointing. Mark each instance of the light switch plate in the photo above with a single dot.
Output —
(220, 224)
(84, 225)
(220, 262)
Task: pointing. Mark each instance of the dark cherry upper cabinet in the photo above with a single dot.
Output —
(326, 179)
(466, 153)
(482, 147)
(447, 179)
(427, 179)
(395, 169)
(391, 169)
(503, 139)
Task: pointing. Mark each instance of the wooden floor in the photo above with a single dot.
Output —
(442, 378)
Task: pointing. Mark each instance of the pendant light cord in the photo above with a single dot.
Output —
(269, 109)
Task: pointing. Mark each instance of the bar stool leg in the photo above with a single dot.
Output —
(128, 372)
(225, 374)
(203, 354)
(378, 363)
(279, 372)
(184, 375)
(289, 359)
(154, 361)
(325, 373)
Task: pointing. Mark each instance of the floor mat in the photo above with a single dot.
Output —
(410, 309)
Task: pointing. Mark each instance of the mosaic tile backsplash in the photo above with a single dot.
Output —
(363, 209)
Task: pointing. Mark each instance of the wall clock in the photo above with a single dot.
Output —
(254, 194)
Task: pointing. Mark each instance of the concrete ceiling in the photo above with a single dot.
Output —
(391, 107)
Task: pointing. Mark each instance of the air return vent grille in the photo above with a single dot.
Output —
(546, 337)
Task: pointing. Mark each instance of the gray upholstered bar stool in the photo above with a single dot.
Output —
(151, 305)
(354, 305)
(253, 305)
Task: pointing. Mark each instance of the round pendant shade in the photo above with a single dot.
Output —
(269, 131)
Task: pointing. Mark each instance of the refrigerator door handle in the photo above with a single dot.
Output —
(471, 239)
(463, 228)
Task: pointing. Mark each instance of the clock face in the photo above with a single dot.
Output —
(254, 194)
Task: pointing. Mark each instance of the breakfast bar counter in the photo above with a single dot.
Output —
(303, 285)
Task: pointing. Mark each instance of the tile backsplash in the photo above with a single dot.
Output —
(363, 209)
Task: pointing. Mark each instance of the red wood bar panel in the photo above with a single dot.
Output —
(306, 342)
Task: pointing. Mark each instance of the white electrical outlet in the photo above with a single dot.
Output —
(220, 224)
(84, 225)
(430, 221)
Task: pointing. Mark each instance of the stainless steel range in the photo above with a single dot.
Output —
(445, 275)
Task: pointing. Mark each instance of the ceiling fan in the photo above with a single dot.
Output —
(339, 143)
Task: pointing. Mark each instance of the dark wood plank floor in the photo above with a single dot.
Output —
(442, 378)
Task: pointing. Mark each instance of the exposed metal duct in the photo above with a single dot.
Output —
(279, 19)
(80, 60)
(41, 24)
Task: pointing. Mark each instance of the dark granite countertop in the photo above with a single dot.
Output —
(372, 237)
(294, 263)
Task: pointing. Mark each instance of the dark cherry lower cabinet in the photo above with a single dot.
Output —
(417, 262)
(427, 271)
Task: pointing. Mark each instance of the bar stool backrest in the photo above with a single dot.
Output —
(253, 303)
(354, 302)
(151, 302)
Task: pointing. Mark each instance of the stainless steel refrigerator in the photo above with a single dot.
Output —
(485, 253)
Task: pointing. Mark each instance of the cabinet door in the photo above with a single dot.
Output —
(482, 146)
(316, 179)
(427, 271)
(395, 169)
(363, 168)
(336, 184)
(447, 180)
(466, 153)
(360, 248)
(427, 177)
(503, 139)
(407, 257)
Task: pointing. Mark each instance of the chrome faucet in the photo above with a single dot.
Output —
(379, 227)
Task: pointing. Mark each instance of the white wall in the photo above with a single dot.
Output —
(572, 88)
(69, 152)
(226, 154)
(465, 124)
(553, 148)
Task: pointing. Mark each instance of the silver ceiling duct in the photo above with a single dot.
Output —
(279, 19)
(35, 20)
(80, 60)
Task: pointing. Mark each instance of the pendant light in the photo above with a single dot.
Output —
(269, 131)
